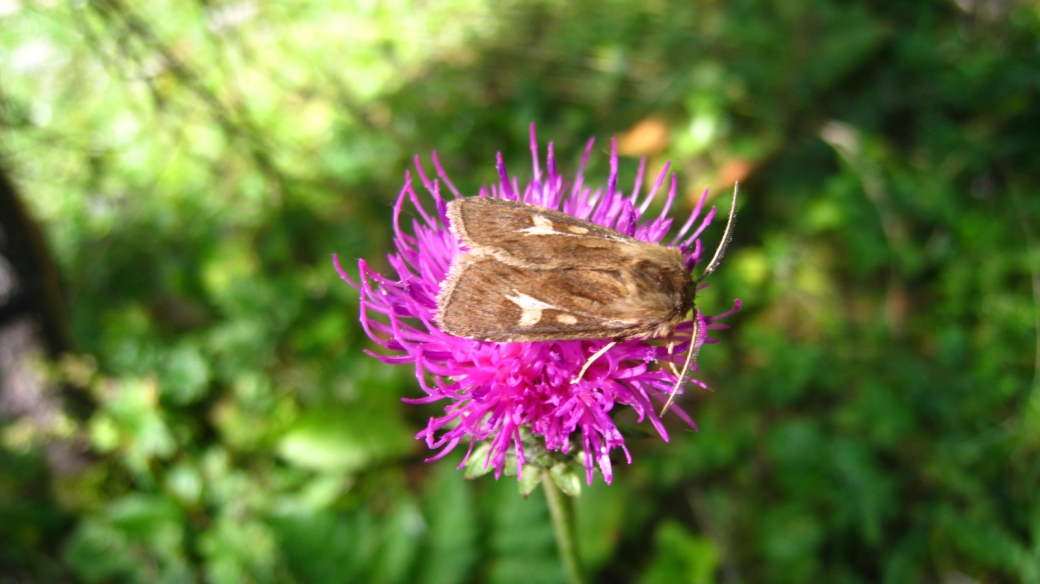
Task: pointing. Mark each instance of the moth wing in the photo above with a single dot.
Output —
(491, 300)
(536, 237)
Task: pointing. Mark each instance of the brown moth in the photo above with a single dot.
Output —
(534, 274)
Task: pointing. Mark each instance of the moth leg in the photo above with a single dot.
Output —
(592, 359)
(671, 351)
(691, 356)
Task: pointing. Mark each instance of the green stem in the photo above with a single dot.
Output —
(563, 525)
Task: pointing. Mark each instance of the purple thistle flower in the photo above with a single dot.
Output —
(496, 390)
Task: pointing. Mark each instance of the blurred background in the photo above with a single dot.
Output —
(185, 396)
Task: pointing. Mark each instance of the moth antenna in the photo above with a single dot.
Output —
(691, 357)
(727, 236)
(592, 359)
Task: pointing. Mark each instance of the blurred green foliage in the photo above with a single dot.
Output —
(875, 413)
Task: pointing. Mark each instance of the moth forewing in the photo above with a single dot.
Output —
(488, 299)
(534, 237)
(535, 274)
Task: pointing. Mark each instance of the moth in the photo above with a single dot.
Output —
(535, 274)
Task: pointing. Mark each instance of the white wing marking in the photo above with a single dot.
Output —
(530, 308)
(542, 226)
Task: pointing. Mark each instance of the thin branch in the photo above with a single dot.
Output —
(562, 512)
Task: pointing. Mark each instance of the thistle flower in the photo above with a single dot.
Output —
(506, 393)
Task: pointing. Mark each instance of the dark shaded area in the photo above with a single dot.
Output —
(33, 330)
(30, 287)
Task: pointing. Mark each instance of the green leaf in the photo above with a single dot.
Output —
(566, 478)
(453, 547)
(402, 531)
(237, 549)
(510, 466)
(521, 541)
(600, 514)
(477, 465)
(530, 480)
(680, 556)
(345, 440)
(325, 547)
(186, 374)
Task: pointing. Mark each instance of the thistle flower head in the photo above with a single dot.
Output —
(505, 393)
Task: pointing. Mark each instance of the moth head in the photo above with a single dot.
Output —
(690, 293)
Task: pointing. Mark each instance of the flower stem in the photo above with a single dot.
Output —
(562, 512)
